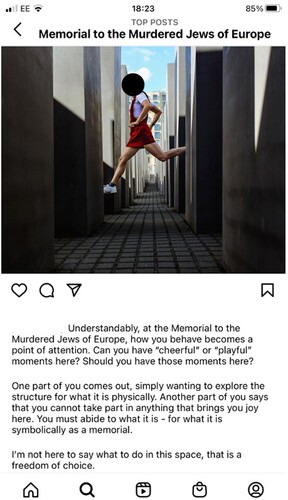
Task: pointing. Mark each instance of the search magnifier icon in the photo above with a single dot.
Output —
(86, 489)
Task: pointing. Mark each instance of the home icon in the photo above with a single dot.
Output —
(31, 491)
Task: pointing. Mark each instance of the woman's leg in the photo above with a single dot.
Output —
(155, 150)
(120, 169)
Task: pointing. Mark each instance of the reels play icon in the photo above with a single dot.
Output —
(143, 490)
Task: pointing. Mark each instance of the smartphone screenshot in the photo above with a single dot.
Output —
(143, 250)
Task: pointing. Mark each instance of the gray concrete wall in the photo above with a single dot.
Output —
(93, 138)
(171, 116)
(190, 83)
(254, 160)
(204, 183)
(124, 139)
(111, 120)
(141, 167)
(78, 146)
(180, 130)
(27, 161)
(165, 146)
(133, 192)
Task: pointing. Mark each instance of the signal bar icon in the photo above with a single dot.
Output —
(38, 7)
(12, 9)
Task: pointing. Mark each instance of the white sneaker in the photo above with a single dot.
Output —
(110, 189)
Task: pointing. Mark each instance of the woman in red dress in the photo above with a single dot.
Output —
(140, 131)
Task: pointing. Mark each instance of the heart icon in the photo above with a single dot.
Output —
(19, 289)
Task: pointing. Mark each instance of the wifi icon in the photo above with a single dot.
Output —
(38, 7)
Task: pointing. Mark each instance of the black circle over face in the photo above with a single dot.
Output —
(132, 84)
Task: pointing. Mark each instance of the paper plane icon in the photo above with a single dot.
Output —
(74, 287)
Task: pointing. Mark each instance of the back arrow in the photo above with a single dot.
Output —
(15, 29)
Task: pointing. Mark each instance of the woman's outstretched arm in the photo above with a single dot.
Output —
(157, 112)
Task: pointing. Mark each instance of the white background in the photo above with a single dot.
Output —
(186, 299)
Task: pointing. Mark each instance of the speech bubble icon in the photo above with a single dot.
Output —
(46, 290)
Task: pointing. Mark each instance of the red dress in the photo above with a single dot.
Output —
(140, 135)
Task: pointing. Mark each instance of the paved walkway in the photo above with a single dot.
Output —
(148, 237)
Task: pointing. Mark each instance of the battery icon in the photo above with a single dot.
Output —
(273, 8)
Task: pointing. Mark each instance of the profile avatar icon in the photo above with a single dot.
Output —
(132, 84)
(256, 489)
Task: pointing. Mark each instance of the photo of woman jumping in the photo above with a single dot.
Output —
(140, 132)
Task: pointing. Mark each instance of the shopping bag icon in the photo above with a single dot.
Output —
(199, 490)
